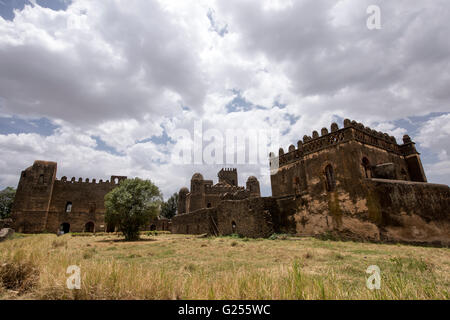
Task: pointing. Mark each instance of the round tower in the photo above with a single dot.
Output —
(253, 186)
(182, 197)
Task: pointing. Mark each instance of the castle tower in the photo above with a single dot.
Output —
(33, 195)
(253, 186)
(197, 194)
(228, 175)
(182, 198)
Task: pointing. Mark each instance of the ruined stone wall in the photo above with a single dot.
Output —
(197, 222)
(159, 224)
(381, 210)
(41, 200)
(31, 202)
(87, 199)
(248, 218)
(410, 211)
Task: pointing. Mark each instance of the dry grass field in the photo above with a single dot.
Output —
(167, 266)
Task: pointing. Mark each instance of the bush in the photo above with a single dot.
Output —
(19, 276)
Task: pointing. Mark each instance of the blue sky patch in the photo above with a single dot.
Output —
(7, 6)
(15, 125)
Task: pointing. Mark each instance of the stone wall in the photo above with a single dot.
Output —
(248, 218)
(410, 211)
(40, 204)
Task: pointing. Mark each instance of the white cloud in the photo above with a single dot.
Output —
(126, 72)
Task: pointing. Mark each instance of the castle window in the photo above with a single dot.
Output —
(366, 167)
(68, 206)
(41, 179)
(208, 205)
(233, 227)
(329, 174)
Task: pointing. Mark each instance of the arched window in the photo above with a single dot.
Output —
(68, 206)
(329, 175)
(366, 167)
(41, 179)
(233, 226)
(208, 205)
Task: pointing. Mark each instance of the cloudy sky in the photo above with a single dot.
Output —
(102, 87)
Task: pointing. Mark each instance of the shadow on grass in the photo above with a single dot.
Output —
(126, 241)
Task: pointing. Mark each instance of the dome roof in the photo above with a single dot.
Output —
(184, 190)
(197, 176)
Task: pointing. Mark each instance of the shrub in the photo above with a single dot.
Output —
(19, 276)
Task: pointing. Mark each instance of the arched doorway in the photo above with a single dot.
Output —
(65, 227)
(233, 227)
(152, 227)
(89, 227)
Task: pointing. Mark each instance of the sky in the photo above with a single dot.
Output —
(103, 87)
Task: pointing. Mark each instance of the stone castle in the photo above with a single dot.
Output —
(46, 204)
(351, 182)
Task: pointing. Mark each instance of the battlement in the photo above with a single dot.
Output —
(115, 180)
(228, 175)
(352, 131)
(228, 170)
(213, 189)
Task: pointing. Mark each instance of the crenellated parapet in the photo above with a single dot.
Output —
(115, 180)
(352, 130)
(215, 189)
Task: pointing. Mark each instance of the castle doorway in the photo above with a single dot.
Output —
(89, 227)
(64, 227)
(233, 227)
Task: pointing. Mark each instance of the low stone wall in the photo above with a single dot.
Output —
(410, 211)
(6, 223)
(381, 211)
(196, 222)
(248, 218)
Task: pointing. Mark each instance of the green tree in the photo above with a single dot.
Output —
(6, 201)
(132, 205)
(169, 208)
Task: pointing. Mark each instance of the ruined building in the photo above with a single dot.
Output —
(205, 194)
(46, 204)
(351, 182)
